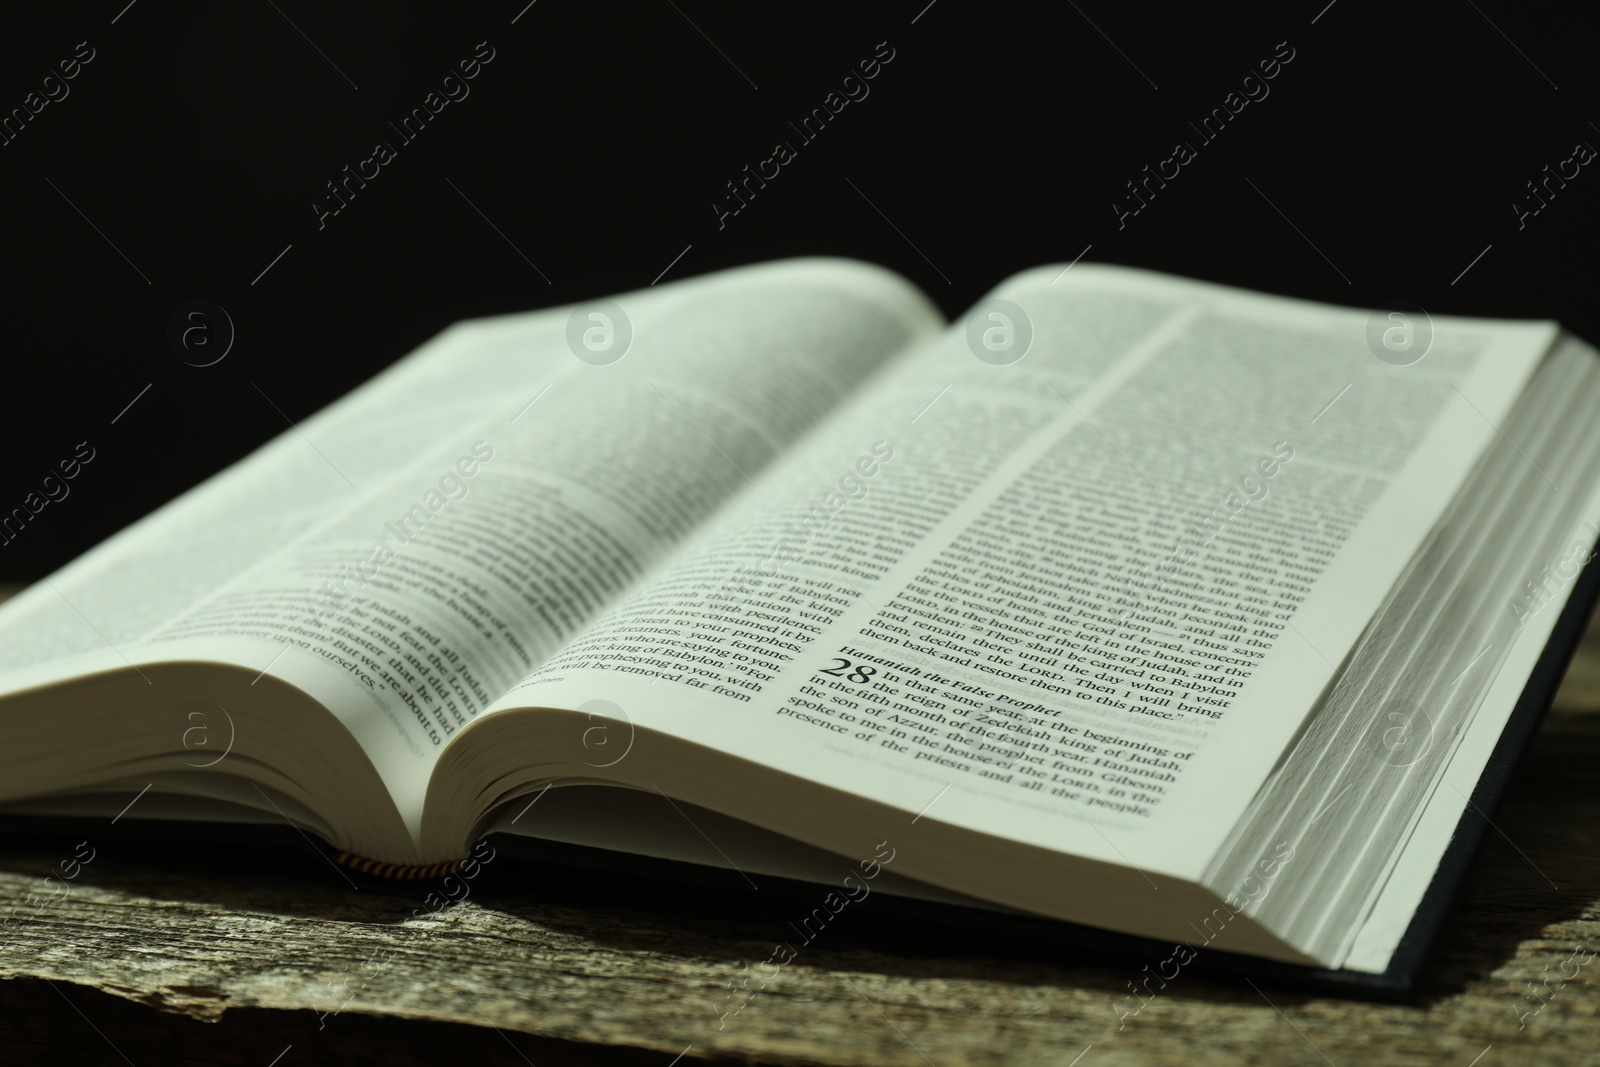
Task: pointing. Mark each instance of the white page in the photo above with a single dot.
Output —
(1152, 396)
(150, 571)
(447, 578)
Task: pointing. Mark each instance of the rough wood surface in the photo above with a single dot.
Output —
(216, 953)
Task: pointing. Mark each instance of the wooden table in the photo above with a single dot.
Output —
(219, 952)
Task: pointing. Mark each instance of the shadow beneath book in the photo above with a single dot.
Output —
(1534, 871)
(1537, 868)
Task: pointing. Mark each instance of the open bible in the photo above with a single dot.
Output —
(1127, 600)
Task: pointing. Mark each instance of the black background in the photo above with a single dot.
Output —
(1385, 159)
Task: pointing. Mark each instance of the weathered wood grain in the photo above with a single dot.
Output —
(153, 945)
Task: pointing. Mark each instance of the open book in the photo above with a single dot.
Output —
(1128, 600)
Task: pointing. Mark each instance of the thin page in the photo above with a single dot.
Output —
(1521, 631)
(1073, 576)
(439, 584)
(153, 570)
